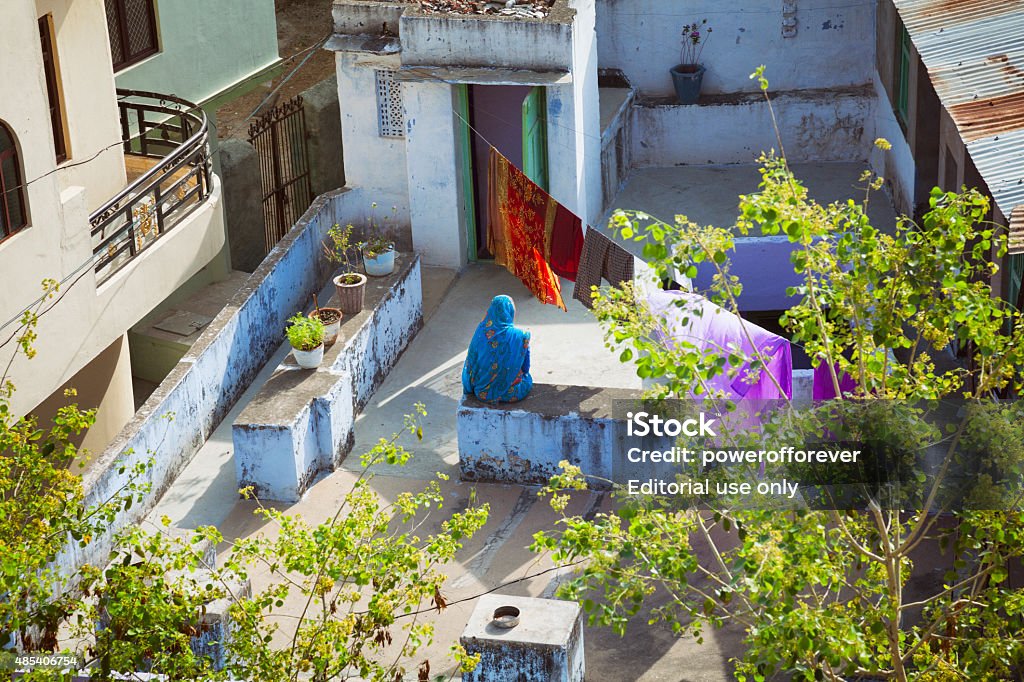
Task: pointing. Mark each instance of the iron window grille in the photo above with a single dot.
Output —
(390, 118)
(131, 25)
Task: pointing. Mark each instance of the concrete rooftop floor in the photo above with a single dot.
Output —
(709, 194)
(567, 348)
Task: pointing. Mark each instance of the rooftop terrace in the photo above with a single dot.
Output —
(567, 348)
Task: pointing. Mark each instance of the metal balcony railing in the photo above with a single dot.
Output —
(167, 140)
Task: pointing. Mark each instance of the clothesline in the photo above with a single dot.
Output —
(584, 295)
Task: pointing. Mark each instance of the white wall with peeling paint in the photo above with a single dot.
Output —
(833, 45)
(815, 126)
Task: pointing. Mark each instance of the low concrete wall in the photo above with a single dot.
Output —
(832, 46)
(300, 424)
(616, 153)
(816, 125)
(190, 403)
(430, 39)
(524, 442)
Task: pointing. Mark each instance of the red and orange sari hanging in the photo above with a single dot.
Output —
(521, 220)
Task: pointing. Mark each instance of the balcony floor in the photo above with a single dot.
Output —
(136, 166)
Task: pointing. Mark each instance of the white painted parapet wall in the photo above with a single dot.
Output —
(191, 402)
(301, 422)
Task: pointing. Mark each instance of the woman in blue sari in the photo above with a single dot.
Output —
(497, 367)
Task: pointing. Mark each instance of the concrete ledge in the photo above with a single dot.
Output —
(221, 364)
(817, 125)
(300, 424)
(524, 442)
(545, 646)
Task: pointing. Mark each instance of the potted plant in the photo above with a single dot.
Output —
(379, 256)
(350, 285)
(306, 335)
(688, 74)
(331, 317)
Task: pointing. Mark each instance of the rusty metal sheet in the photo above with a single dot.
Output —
(974, 53)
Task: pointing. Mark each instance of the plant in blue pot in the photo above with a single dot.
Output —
(378, 249)
(688, 74)
(378, 255)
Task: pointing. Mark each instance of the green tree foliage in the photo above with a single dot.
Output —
(826, 594)
(336, 600)
(42, 508)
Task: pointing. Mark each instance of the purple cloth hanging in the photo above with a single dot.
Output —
(824, 389)
(709, 327)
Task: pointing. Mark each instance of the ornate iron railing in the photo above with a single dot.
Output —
(176, 134)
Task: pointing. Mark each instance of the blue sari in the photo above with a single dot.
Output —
(497, 366)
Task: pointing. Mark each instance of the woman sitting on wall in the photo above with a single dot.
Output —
(497, 367)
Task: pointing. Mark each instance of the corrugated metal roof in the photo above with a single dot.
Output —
(974, 53)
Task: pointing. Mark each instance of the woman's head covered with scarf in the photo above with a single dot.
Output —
(496, 352)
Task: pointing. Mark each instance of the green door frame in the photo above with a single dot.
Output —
(535, 137)
(466, 175)
(535, 153)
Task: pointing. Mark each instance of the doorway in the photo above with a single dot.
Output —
(512, 118)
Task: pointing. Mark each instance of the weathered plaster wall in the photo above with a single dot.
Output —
(323, 125)
(456, 40)
(816, 126)
(205, 49)
(524, 442)
(574, 124)
(243, 210)
(438, 233)
(896, 165)
(641, 37)
(179, 416)
(373, 163)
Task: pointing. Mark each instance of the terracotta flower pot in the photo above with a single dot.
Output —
(331, 317)
(351, 295)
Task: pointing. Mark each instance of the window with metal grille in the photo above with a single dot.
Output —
(131, 25)
(54, 95)
(390, 119)
(13, 211)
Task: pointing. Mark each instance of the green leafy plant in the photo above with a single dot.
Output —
(693, 38)
(827, 594)
(43, 510)
(339, 599)
(305, 333)
(335, 600)
(377, 241)
(339, 248)
(377, 245)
